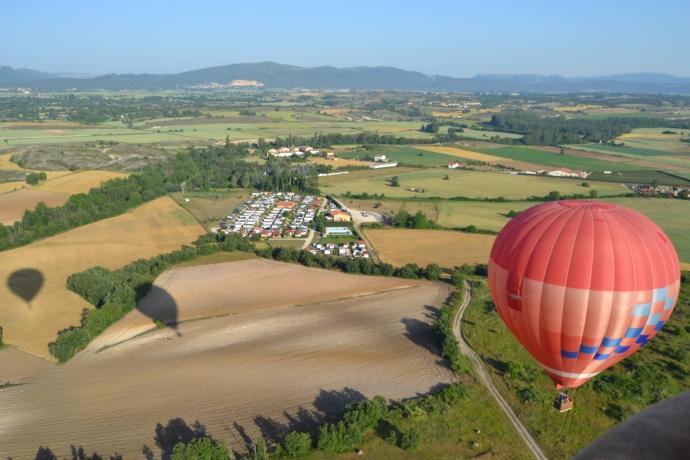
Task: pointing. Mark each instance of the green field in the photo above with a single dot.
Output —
(659, 371)
(460, 183)
(533, 155)
(401, 154)
(672, 215)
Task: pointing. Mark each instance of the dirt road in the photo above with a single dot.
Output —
(485, 379)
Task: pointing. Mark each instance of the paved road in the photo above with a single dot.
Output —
(485, 379)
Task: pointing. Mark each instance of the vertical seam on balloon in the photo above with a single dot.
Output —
(589, 213)
(624, 237)
(567, 274)
(536, 340)
(556, 212)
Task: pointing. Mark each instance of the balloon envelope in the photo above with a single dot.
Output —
(582, 284)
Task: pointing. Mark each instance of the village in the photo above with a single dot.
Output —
(273, 216)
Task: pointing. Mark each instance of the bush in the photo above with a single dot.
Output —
(338, 437)
(411, 439)
(297, 444)
(366, 414)
(200, 449)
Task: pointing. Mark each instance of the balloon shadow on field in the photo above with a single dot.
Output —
(26, 283)
(159, 305)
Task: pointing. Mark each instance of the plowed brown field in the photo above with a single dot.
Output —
(265, 362)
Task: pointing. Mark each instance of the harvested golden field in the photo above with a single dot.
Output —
(153, 228)
(445, 247)
(79, 182)
(478, 156)
(264, 364)
(338, 162)
(14, 203)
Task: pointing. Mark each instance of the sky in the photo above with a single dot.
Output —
(454, 38)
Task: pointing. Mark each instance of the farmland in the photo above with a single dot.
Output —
(474, 184)
(14, 203)
(153, 228)
(329, 351)
(400, 154)
(53, 192)
(446, 248)
(670, 215)
(210, 207)
(656, 372)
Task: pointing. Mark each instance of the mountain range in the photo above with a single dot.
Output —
(275, 75)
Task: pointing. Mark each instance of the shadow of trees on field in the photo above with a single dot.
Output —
(26, 283)
(156, 303)
(77, 453)
(174, 432)
(329, 406)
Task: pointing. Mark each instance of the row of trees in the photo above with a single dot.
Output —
(116, 292)
(363, 266)
(552, 130)
(194, 169)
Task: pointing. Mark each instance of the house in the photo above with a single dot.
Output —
(339, 216)
(567, 172)
(342, 231)
(285, 205)
(454, 165)
(380, 158)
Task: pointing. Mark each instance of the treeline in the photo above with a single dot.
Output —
(347, 433)
(322, 140)
(194, 169)
(539, 130)
(362, 266)
(419, 220)
(116, 292)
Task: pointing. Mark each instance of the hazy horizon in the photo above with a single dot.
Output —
(458, 39)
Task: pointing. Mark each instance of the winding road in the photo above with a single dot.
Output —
(485, 379)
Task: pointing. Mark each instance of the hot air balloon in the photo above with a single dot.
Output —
(582, 284)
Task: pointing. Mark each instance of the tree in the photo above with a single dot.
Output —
(420, 220)
(553, 196)
(297, 444)
(562, 151)
(200, 449)
(260, 450)
(433, 272)
(401, 218)
(593, 193)
(684, 194)
(395, 181)
(411, 439)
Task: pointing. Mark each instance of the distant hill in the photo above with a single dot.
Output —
(275, 75)
(16, 77)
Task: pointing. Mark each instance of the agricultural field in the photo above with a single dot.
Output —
(401, 154)
(670, 214)
(52, 192)
(447, 213)
(337, 162)
(78, 182)
(31, 322)
(663, 139)
(656, 372)
(351, 337)
(555, 160)
(476, 184)
(465, 154)
(14, 203)
(210, 207)
(445, 247)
